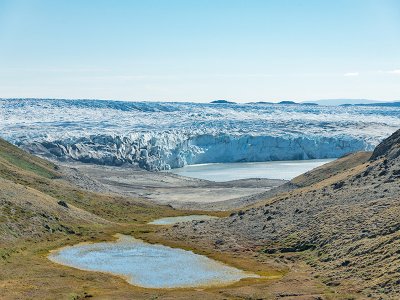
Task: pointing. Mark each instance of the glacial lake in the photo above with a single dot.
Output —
(147, 265)
(180, 219)
(220, 172)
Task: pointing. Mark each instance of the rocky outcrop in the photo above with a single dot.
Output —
(390, 147)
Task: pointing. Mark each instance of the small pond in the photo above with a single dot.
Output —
(147, 265)
(180, 219)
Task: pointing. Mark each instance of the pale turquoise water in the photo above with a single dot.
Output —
(180, 219)
(286, 170)
(147, 265)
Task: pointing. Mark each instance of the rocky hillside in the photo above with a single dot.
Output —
(343, 219)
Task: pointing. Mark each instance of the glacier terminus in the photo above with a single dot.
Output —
(164, 135)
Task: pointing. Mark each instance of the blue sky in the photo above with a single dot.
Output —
(182, 50)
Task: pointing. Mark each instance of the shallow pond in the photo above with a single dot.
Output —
(180, 219)
(147, 265)
(220, 172)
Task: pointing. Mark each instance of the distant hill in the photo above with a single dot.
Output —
(309, 103)
(287, 102)
(222, 102)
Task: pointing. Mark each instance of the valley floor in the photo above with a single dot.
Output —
(167, 188)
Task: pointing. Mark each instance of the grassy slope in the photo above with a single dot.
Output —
(14, 160)
(331, 169)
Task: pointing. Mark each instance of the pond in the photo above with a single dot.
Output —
(220, 172)
(147, 265)
(180, 219)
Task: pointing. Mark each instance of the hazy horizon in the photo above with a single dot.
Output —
(196, 51)
(238, 101)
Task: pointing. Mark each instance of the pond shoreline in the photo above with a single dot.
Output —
(215, 270)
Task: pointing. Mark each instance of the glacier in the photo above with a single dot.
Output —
(164, 135)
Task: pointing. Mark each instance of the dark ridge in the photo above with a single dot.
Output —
(287, 102)
(389, 148)
(309, 103)
(222, 102)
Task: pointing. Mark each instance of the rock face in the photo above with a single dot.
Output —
(390, 148)
(158, 136)
(347, 223)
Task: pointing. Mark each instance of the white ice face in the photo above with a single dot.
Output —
(169, 135)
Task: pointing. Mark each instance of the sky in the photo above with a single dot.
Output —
(200, 50)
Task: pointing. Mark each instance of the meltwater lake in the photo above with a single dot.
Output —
(147, 265)
(221, 172)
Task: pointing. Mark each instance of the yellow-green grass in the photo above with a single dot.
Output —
(13, 156)
(331, 169)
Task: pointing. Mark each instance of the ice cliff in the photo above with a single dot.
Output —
(158, 136)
